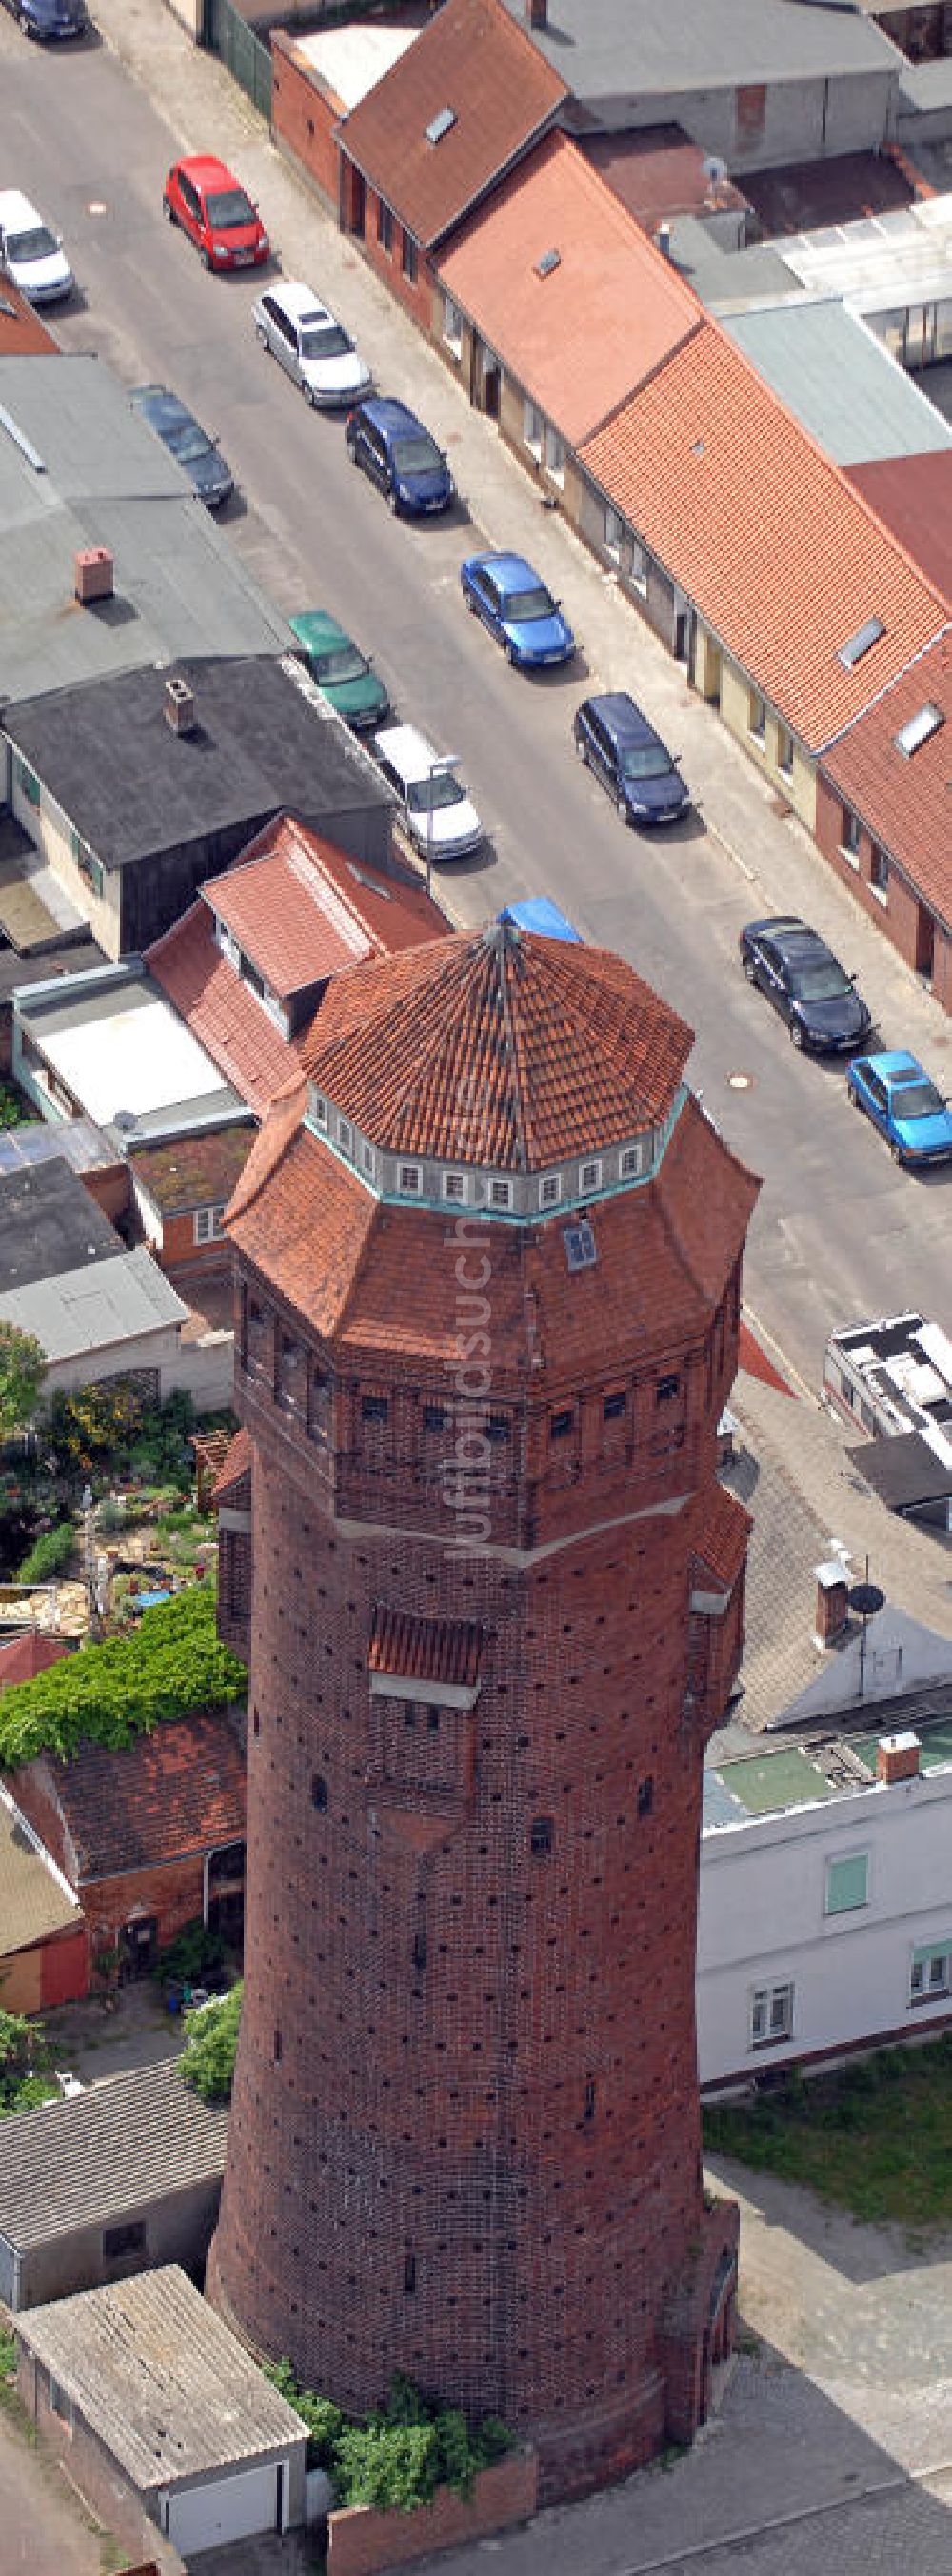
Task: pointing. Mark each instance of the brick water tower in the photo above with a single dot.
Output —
(489, 1291)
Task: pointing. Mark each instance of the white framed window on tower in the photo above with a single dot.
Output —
(771, 2014)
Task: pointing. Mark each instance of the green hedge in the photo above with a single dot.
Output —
(396, 2460)
(211, 2041)
(173, 1663)
(49, 1555)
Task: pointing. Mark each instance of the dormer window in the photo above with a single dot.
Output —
(589, 1178)
(410, 1180)
(319, 1109)
(631, 1161)
(550, 1190)
(500, 1194)
(345, 1136)
(369, 1161)
(456, 1188)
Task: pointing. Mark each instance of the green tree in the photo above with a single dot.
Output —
(211, 2044)
(22, 1369)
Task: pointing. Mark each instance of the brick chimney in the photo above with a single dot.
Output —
(94, 571)
(831, 1603)
(179, 705)
(897, 1757)
(537, 13)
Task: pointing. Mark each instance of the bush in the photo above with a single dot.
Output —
(324, 2420)
(207, 2061)
(391, 2466)
(171, 1664)
(49, 1555)
(193, 1957)
(398, 2458)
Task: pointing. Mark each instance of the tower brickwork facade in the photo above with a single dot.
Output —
(489, 1285)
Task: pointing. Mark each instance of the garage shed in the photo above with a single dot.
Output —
(159, 2411)
(120, 2177)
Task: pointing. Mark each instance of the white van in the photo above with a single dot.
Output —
(29, 252)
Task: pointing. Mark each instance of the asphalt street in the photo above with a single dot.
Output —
(839, 1232)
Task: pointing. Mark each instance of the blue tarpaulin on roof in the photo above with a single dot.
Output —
(539, 913)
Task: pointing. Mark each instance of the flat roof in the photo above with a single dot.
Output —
(138, 2137)
(264, 739)
(119, 1047)
(158, 2378)
(49, 1223)
(904, 1469)
(351, 60)
(609, 49)
(839, 379)
(769, 1782)
(96, 1308)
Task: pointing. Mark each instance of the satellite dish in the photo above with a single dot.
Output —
(125, 1120)
(715, 170)
(866, 1598)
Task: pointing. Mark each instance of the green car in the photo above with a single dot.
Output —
(340, 669)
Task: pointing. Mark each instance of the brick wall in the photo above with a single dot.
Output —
(173, 1894)
(304, 116)
(415, 294)
(361, 2542)
(90, 2468)
(898, 912)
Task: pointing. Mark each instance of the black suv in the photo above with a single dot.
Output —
(399, 455)
(630, 760)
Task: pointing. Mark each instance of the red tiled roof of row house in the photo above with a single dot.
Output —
(301, 910)
(227, 1019)
(22, 334)
(912, 495)
(177, 1791)
(499, 1048)
(565, 287)
(380, 1280)
(781, 557)
(722, 1529)
(424, 1650)
(473, 63)
(904, 799)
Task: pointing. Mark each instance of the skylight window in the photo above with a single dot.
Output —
(863, 640)
(911, 736)
(440, 125)
(551, 259)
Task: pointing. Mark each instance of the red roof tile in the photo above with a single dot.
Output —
(424, 1650)
(236, 1467)
(473, 59)
(582, 335)
(301, 910)
(780, 555)
(21, 1658)
(177, 1791)
(913, 497)
(722, 1529)
(903, 802)
(194, 1171)
(219, 1009)
(498, 1048)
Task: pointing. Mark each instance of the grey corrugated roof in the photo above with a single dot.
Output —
(33, 1899)
(159, 2379)
(839, 380)
(108, 481)
(98, 1308)
(616, 48)
(107, 2154)
(262, 743)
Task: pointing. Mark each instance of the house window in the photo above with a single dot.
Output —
(410, 1180)
(87, 865)
(533, 429)
(784, 751)
(257, 1337)
(771, 2015)
(28, 782)
(292, 1374)
(638, 569)
(408, 259)
(613, 533)
(666, 1390)
(878, 870)
(498, 1427)
(500, 1194)
(931, 1974)
(560, 1424)
(345, 1136)
(554, 455)
(613, 1406)
(384, 225)
(756, 716)
(374, 1408)
(631, 1161)
(541, 1836)
(550, 1190)
(208, 1224)
(318, 1109)
(847, 1884)
(455, 1188)
(435, 1417)
(452, 326)
(119, 2241)
(60, 2403)
(851, 830)
(589, 1177)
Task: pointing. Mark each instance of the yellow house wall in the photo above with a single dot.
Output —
(50, 829)
(797, 785)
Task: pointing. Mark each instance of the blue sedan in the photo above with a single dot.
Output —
(518, 609)
(898, 1096)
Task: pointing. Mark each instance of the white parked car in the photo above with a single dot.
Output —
(29, 252)
(310, 343)
(437, 814)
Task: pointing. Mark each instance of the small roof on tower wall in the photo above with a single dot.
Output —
(498, 1048)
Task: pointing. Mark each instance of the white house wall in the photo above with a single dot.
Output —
(762, 1923)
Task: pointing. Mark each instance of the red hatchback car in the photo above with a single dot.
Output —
(205, 198)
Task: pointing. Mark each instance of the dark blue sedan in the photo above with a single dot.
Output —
(518, 609)
(46, 20)
(898, 1096)
(185, 439)
(629, 759)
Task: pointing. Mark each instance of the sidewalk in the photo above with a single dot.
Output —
(204, 109)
